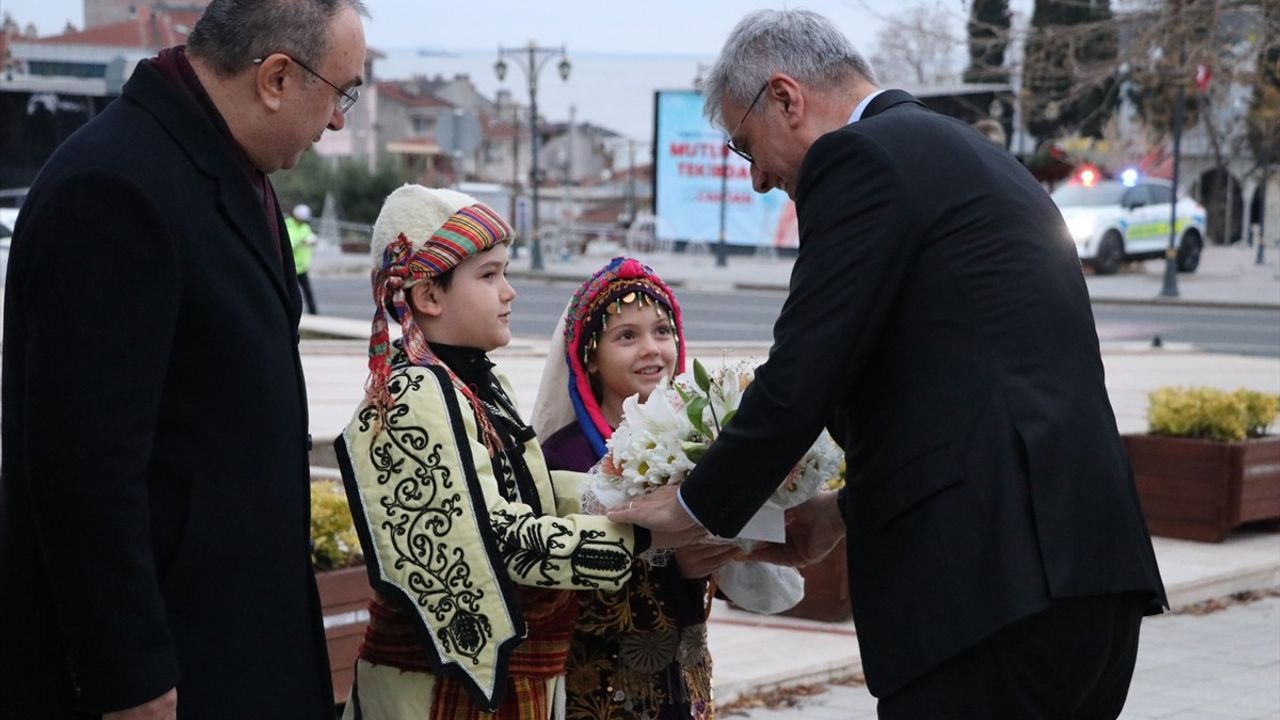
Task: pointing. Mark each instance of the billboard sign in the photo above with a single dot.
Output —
(690, 160)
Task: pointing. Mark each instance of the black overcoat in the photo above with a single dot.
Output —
(938, 323)
(154, 503)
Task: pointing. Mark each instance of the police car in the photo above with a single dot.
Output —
(1114, 221)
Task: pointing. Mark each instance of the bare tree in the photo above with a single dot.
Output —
(917, 46)
(1178, 36)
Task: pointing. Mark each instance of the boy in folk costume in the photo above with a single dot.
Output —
(468, 551)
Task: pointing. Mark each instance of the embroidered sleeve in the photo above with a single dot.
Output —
(567, 551)
(573, 552)
(568, 488)
(576, 552)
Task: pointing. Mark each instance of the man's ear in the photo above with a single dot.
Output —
(270, 79)
(424, 299)
(790, 97)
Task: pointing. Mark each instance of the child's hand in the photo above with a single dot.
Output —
(608, 467)
(699, 561)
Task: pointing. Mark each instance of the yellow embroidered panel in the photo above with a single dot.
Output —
(421, 529)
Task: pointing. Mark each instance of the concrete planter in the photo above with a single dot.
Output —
(344, 600)
(1201, 489)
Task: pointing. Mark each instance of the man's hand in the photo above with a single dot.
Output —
(164, 707)
(699, 561)
(813, 530)
(661, 512)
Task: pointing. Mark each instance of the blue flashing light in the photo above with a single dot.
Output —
(1129, 177)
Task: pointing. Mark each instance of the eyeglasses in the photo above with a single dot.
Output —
(729, 143)
(349, 97)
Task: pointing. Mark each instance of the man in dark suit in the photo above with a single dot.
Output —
(154, 549)
(938, 324)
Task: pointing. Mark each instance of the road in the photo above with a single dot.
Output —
(749, 315)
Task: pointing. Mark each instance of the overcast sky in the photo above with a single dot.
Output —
(631, 26)
(606, 88)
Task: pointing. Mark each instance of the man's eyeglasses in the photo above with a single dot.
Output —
(348, 98)
(729, 144)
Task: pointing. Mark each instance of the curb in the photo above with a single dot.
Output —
(1094, 300)
(766, 287)
(1179, 302)
(1262, 576)
(548, 277)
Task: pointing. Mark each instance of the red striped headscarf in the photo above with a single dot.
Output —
(422, 233)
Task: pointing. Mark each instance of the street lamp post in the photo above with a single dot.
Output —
(531, 59)
(1170, 287)
(722, 249)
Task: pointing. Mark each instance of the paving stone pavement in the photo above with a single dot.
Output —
(1222, 665)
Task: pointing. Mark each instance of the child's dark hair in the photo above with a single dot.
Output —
(442, 281)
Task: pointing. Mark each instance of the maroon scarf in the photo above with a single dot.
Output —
(172, 64)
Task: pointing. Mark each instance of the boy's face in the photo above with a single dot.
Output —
(475, 311)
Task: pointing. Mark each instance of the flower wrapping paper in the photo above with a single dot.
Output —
(660, 440)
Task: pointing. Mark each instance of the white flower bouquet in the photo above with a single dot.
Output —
(660, 440)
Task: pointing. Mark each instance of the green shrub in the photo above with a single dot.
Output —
(332, 530)
(1211, 414)
(357, 191)
(1260, 411)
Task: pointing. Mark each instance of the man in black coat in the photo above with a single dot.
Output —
(939, 325)
(154, 502)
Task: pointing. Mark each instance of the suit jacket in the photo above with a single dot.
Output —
(154, 502)
(938, 323)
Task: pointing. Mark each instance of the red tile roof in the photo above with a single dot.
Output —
(393, 91)
(149, 30)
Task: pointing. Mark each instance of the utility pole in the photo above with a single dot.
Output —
(1262, 219)
(722, 250)
(631, 182)
(572, 140)
(515, 170)
(1170, 287)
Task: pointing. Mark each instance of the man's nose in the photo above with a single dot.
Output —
(338, 121)
(760, 180)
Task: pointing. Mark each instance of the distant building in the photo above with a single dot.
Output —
(407, 119)
(107, 52)
(52, 85)
(98, 13)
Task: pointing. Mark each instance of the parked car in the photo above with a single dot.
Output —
(1113, 222)
(8, 219)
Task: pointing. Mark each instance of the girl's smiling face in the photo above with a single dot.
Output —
(636, 353)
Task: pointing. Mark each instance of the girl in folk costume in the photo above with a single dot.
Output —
(641, 653)
(470, 549)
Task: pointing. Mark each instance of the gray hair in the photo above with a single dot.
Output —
(799, 43)
(231, 34)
